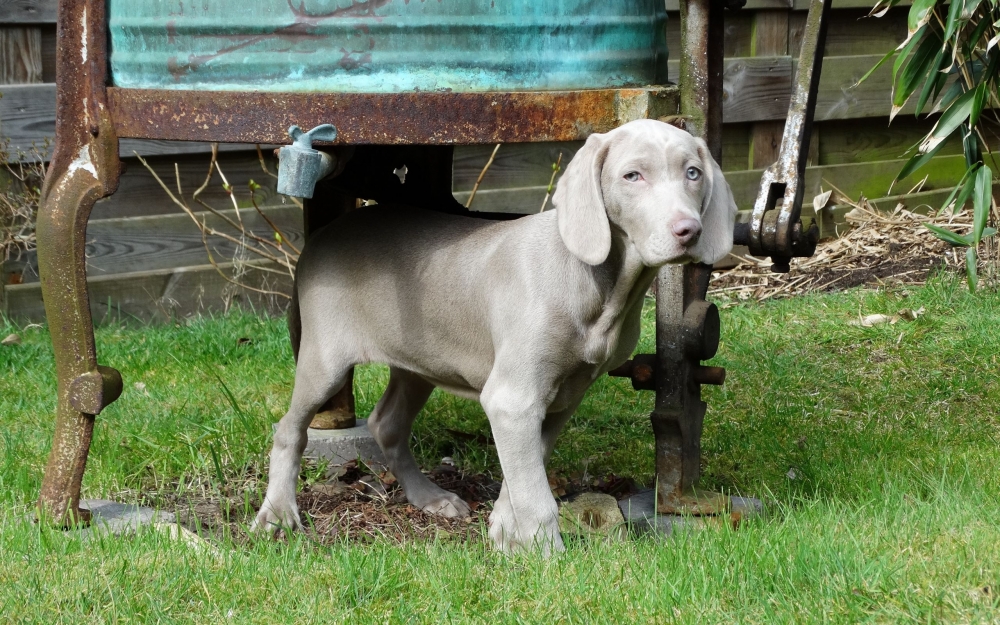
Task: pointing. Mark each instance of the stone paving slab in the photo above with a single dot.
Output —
(640, 514)
(342, 446)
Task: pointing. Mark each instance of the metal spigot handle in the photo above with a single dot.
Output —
(323, 132)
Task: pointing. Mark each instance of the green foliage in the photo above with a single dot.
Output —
(951, 58)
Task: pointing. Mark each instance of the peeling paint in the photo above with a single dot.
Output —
(83, 35)
(82, 161)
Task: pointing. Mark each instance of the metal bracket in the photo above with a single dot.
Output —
(775, 228)
(94, 391)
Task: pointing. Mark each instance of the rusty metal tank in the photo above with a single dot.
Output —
(386, 46)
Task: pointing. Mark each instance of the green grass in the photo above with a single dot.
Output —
(891, 434)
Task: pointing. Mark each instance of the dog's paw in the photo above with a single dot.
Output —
(273, 518)
(509, 536)
(448, 505)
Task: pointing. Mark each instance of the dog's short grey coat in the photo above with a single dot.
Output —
(522, 315)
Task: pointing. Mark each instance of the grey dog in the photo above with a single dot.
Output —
(522, 315)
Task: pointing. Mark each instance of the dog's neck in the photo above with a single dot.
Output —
(621, 281)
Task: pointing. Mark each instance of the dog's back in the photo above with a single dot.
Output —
(409, 288)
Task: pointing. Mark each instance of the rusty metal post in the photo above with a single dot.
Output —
(687, 325)
(84, 168)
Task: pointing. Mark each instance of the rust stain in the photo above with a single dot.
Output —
(367, 118)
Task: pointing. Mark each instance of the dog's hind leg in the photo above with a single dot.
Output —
(391, 424)
(317, 378)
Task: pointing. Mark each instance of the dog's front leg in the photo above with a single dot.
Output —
(525, 515)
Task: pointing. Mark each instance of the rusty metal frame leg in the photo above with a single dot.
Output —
(84, 168)
(682, 338)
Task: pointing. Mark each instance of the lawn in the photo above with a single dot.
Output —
(875, 448)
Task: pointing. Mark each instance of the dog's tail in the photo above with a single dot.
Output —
(295, 319)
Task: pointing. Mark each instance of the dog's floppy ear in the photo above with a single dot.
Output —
(583, 220)
(718, 212)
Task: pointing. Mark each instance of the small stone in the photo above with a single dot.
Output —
(792, 474)
(329, 489)
(592, 513)
(12, 339)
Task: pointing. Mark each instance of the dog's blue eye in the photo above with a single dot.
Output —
(693, 173)
(633, 176)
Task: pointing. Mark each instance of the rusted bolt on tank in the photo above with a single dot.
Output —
(300, 167)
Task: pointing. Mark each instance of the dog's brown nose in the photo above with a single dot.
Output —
(687, 231)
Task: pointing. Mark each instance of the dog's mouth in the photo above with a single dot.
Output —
(683, 259)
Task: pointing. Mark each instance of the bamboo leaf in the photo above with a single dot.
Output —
(970, 147)
(905, 50)
(954, 91)
(978, 102)
(971, 273)
(917, 161)
(948, 236)
(954, 17)
(973, 39)
(880, 63)
(981, 202)
(920, 14)
(956, 114)
(882, 7)
(931, 83)
(916, 70)
(965, 186)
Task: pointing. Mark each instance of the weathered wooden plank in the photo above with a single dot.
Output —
(48, 52)
(136, 244)
(515, 165)
(140, 195)
(874, 139)
(20, 55)
(163, 295)
(758, 89)
(851, 33)
(529, 165)
(28, 11)
(770, 38)
(28, 119)
(871, 179)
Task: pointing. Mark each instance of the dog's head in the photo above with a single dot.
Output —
(658, 185)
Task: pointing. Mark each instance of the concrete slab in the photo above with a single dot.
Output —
(119, 518)
(640, 514)
(342, 446)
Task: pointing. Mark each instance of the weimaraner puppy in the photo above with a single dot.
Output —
(522, 315)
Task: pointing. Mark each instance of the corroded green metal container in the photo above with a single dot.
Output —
(386, 46)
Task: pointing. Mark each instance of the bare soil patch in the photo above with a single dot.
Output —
(359, 506)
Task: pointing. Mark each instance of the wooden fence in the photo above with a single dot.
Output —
(146, 259)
